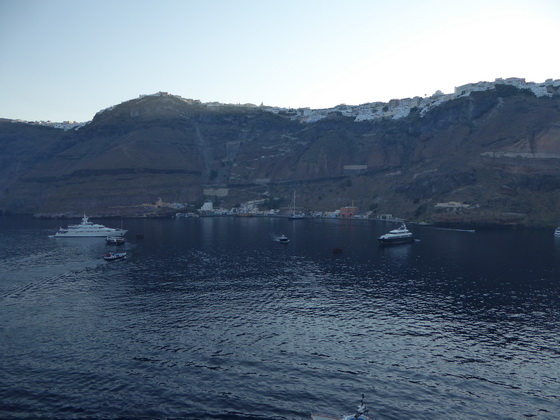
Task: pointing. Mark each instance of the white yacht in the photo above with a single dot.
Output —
(88, 229)
(397, 236)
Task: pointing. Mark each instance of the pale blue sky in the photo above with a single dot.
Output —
(67, 59)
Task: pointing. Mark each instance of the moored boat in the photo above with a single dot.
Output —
(397, 236)
(114, 240)
(557, 232)
(295, 215)
(88, 229)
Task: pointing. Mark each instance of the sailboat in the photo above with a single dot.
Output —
(295, 215)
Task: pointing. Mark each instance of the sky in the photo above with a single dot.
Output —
(65, 60)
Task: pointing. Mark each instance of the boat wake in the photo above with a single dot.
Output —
(456, 230)
(280, 238)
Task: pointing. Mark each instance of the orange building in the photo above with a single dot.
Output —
(349, 211)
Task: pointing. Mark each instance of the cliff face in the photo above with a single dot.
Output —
(494, 153)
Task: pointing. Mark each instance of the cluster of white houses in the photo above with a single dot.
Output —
(251, 208)
(64, 125)
(394, 109)
(400, 108)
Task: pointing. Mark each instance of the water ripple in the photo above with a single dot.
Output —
(193, 327)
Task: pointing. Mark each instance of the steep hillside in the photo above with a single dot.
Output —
(494, 154)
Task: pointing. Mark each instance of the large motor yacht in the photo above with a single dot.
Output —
(88, 229)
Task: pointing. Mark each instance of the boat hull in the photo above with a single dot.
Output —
(296, 217)
(395, 241)
(95, 234)
(115, 240)
(114, 256)
(397, 236)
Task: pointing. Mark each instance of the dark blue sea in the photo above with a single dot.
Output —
(210, 318)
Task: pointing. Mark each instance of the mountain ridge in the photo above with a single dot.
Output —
(395, 108)
(493, 151)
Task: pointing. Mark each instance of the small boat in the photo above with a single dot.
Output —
(397, 236)
(88, 229)
(112, 256)
(296, 215)
(557, 232)
(283, 239)
(361, 414)
(114, 240)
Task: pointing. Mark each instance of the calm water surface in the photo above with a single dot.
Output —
(210, 318)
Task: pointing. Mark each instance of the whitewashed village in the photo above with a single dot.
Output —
(394, 109)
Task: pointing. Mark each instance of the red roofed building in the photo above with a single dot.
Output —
(349, 211)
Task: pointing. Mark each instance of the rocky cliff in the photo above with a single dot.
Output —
(489, 158)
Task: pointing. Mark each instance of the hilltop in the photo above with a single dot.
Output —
(485, 155)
